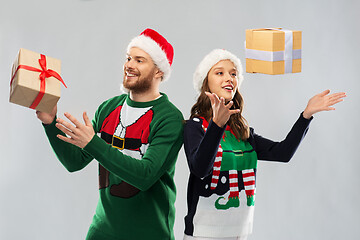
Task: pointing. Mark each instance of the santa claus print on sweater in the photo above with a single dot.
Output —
(127, 129)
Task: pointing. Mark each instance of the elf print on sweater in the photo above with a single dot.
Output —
(234, 161)
(221, 203)
(222, 181)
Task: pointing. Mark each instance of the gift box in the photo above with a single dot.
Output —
(273, 51)
(35, 81)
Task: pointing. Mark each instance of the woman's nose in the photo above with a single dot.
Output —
(229, 77)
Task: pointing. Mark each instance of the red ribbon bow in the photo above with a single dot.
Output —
(44, 73)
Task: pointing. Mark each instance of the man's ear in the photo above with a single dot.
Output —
(159, 74)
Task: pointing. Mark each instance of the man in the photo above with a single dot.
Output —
(141, 134)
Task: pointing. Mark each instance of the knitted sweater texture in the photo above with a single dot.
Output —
(136, 151)
(222, 182)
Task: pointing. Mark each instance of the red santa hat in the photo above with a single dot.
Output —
(210, 60)
(159, 49)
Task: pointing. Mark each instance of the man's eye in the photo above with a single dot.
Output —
(128, 59)
(234, 74)
(139, 61)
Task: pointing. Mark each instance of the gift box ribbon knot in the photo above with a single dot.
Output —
(44, 73)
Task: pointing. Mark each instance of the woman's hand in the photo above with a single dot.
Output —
(221, 112)
(322, 102)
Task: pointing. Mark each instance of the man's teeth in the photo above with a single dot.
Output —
(130, 75)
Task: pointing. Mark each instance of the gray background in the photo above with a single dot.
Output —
(316, 196)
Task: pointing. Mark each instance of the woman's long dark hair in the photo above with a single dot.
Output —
(202, 108)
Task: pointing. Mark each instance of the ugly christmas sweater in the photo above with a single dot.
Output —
(222, 182)
(137, 150)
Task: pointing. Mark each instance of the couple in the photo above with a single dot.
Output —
(141, 133)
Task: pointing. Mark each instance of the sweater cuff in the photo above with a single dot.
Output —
(305, 119)
(215, 129)
(51, 124)
(213, 123)
(94, 146)
(303, 122)
(51, 128)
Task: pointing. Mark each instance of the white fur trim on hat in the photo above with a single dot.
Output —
(154, 50)
(209, 61)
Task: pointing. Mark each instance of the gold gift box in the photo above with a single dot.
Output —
(25, 85)
(268, 46)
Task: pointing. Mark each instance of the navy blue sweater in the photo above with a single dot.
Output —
(201, 148)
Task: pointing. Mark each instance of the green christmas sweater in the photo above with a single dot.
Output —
(136, 150)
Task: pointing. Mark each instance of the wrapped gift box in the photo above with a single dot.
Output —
(35, 81)
(273, 51)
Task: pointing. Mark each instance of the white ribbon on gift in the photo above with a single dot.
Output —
(287, 55)
(271, 56)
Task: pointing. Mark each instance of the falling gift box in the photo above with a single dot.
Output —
(273, 51)
(35, 81)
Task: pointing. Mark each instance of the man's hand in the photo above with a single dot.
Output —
(47, 118)
(79, 135)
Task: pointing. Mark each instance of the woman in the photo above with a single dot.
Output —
(222, 151)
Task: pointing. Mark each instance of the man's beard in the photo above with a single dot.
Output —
(143, 84)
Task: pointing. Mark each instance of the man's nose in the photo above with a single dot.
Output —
(129, 64)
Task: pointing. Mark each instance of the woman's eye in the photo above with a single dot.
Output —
(233, 74)
(219, 73)
(139, 61)
(128, 59)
